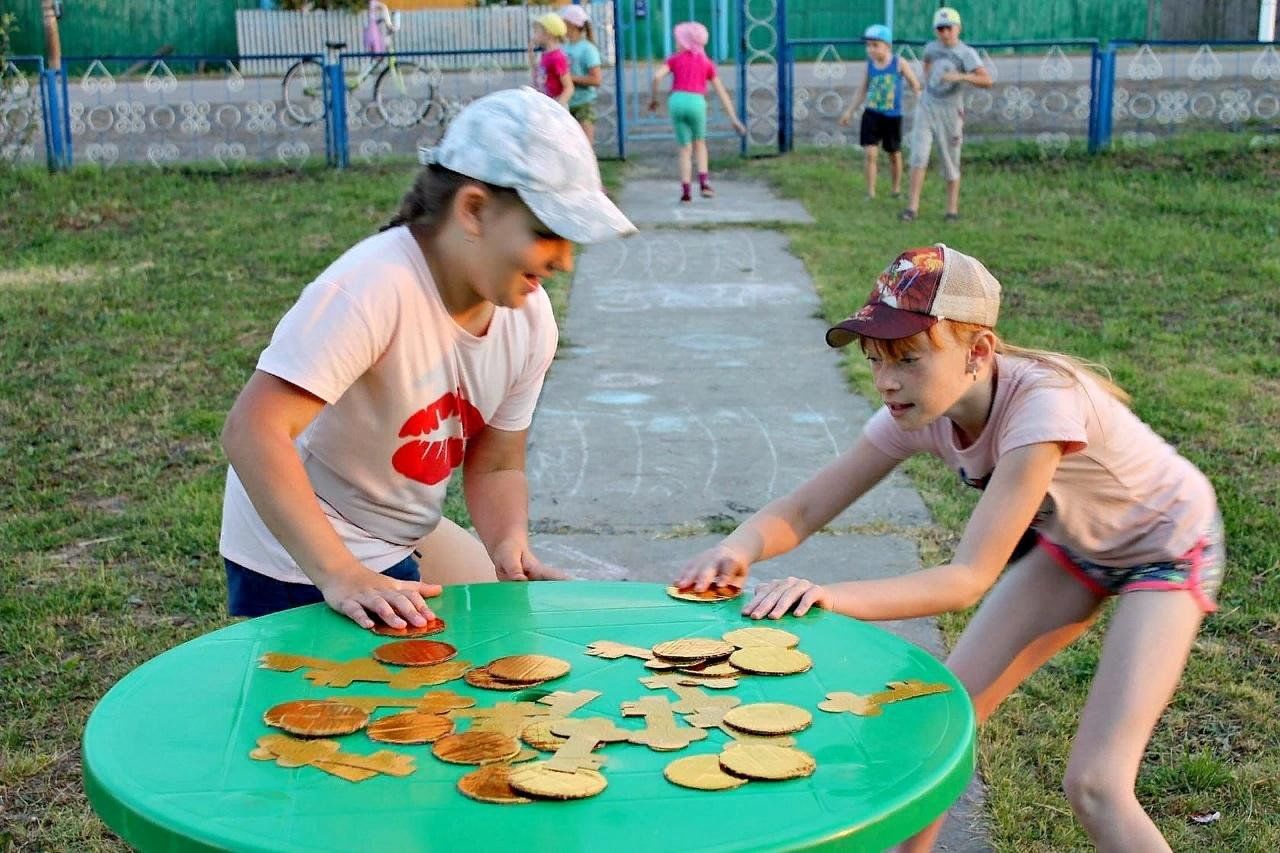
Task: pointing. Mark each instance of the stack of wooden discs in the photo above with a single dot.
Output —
(517, 672)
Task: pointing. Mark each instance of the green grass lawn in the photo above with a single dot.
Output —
(133, 305)
(1163, 265)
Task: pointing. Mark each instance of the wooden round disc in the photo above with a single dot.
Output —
(711, 593)
(415, 652)
(771, 660)
(491, 784)
(538, 780)
(443, 701)
(433, 626)
(763, 761)
(660, 665)
(316, 718)
(476, 748)
(538, 735)
(528, 668)
(410, 727)
(746, 638)
(718, 669)
(481, 677)
(702, 772)
(768, 718)
(692, 649)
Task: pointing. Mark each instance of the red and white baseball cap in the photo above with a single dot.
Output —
(921, 287)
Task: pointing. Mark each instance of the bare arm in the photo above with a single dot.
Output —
(497, 496)
(659, 75)
(909, 76)
(858, 100)
(980, 78)
(591, 78)
(566, 81)
(725, 101)
(258, 438)
(787, 521)
(1016, 491)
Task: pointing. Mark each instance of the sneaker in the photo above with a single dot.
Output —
(896, 194)
(685, 197)
(707, 192)
(907, 215)
(951, 217)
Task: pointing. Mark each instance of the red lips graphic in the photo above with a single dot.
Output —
(431, 462)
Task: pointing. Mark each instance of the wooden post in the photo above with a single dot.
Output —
(52, 44)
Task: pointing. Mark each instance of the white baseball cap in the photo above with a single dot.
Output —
(522, 139)
(946, 17)
(576, 15)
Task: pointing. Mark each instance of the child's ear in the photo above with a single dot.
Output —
(469, 204)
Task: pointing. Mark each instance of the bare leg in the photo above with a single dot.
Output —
(452, 555)
(1143, 656)
(700, 151)
(589, 128)
(917, 185)
(895, 170)
(1032, 613)
(953, 196)
(686, 164)
(870, 153)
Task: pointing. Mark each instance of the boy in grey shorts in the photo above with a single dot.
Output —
(948, 62)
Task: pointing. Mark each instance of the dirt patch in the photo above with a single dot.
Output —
(46, 276)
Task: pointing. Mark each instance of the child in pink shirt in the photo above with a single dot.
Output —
(551, 71)
(692, 70)
(1053, 447)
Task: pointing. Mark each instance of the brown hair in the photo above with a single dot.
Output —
(1067, 366)
(588, 31)
(428, 200)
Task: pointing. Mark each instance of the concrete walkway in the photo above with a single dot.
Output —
(693, 385)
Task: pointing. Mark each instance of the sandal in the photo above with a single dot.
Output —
(907, 215)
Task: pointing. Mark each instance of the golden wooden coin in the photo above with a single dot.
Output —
(693, 649)
(476, 748)
(768, 718)
(763, 761)
(711, 593)
(746, 638)
(491, 784)
(415, 652)
(538, 780)
(702, 772)
(316, 718)
(415, 677)
(433, 626)
(771, 660)
(660, 665)
(718, 669)
(538, 735)
(528, 668)
(482, 678)
(410, 727)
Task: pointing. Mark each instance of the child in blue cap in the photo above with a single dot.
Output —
(881, 91)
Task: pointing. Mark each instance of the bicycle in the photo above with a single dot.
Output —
(404, 92)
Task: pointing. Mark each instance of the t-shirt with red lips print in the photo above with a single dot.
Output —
(406, 389)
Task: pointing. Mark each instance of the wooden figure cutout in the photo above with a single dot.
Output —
(584, 736)
(692, 699)
(510, 718)
(435, 702)
(610, 650)
(326, 755)
(870, 705)
(660, 732)
(562, 703)
(332, 673)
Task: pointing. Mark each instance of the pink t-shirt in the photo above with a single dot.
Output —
(553, 66)
(1121, 496)
(690, 72)
(406, 388)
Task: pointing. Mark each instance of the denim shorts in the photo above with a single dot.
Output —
(1199, 571)
(252, 594)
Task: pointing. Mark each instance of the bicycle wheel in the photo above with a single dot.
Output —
(304, 91)
(406, 93)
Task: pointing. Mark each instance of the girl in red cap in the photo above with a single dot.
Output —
(1111, 509)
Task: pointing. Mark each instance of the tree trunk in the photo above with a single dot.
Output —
(52, 44)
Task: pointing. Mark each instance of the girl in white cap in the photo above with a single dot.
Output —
(692, 70)
(419, 351)
(1112, 509)
(584, 68)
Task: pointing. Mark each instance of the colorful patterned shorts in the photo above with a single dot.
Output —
(1199, 570)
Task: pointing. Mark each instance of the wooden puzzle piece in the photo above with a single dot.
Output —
(610, 650)
(417, 677)
(660, 732)
(435, 702)
(332, 673)
(281, 662)
(692, 699)
(510, 718)
(584, 736)
(870, 705)
(562, 703)
(326, 755)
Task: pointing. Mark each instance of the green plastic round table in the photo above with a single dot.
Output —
(167, 766)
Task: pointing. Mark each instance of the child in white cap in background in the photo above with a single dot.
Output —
(691, 70)
(881, 91)
(419, 351)
(551, 70)
(949, 64)
(1052, 445)
(584, 68)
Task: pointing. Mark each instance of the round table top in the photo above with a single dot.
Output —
(167, 766)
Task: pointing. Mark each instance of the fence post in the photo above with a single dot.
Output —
(619, 78)
(335, 112)
(57, 136)
(784, 79)
(1102, 104)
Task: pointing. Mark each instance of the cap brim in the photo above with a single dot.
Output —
(879, 321)
(583, 216)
